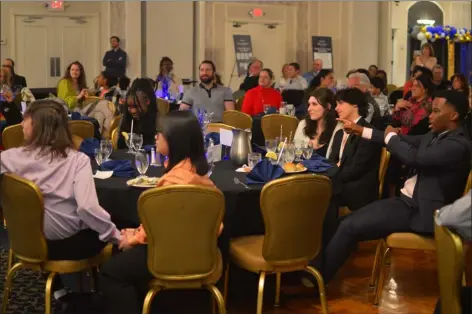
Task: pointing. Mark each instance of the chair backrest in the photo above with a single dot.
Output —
(215, 127)
(384, 161)
(115, 123)
(391, 88)
(451, 267)
(272, 123)
(23, 208)
(77, 141)
(468, 185)
(114, 137)
(82, 128)
(293, 209)
(181, 224)
(237, 119)
(12, 136)
(163, 107)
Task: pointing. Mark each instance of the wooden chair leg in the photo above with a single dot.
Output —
(277, 288)
(8, 285)
(220, 302)
(260, 293)
(380, 284)
(148, 300)
(321, 287)
(47, 296)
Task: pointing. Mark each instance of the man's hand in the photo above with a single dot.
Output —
(8, 96)
(351, 127)
(184, 107)
(391, 129)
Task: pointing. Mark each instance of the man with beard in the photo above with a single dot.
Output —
(209, 95)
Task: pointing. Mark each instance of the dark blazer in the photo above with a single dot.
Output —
(442, 168)
(359, 169)
(115, 62)
(249, 83)
(19, 80)
(11, 112)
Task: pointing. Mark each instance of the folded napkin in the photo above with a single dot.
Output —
(120, 168)
(214, 136)
(264, 172)
(317, 163)
(148, 148)
(88, 146)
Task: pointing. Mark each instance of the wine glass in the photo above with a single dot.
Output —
(137, 142)
(141, 160)
(128, 143)
(289, 153)
(308, 151)
(99, 156)
(107, 147)
(271, 145)
(298, 151)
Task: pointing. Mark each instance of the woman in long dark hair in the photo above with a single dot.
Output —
(460, 84)
(125, 278)
(72, 88)
(324, 79)
(140, 108)
(320, 121)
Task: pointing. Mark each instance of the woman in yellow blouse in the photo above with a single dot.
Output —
(72, 88)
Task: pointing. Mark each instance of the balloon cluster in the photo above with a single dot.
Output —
(449, 33)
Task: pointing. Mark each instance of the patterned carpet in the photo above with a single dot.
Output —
(27, 296)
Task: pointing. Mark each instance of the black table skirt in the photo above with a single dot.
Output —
(242, 213)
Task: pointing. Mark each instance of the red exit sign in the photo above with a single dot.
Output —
(57, 5)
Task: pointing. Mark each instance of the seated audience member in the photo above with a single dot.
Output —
(378, 86)
(141, 109)
(75, 226)
(124, 279)
(458, 216)
(460, 84)
(209, 94)
(411, 115)
(72, 88)
(361, 81)
(426, 58)
(256, 98)
(285, 77)
(9, 109)
(441, 162)
(383, 75)
(373, 71)
(5, 80)
(17, 80)
(358, 159)
(252, 78)
(320, 121)
(166, 79)
(316, 68)
(417, 71)
(325, 79)
(294, 80)
(438, 78)
(106, 84)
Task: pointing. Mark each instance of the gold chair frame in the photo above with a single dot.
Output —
(272, 123)
(82, 128)
(215, 127)
(12, 136)
(237, 119)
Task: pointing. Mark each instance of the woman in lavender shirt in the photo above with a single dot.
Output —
(75, 226)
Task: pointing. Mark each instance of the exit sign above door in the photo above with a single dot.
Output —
(56, 5)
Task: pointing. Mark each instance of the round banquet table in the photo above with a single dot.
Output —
(242, 213)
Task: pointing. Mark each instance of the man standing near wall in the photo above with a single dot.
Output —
(115, 59)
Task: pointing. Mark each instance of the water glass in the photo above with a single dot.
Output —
(289, 152)
(141, 160)
(107, 148)
(291, 110)
(128, 143)
(308, 151)
(137, 142)
(271, 145)
(99, 156)
(298, 151)
(253, 159)
(283, 108)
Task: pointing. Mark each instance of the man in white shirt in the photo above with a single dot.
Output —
(295, 81)
(441, 163)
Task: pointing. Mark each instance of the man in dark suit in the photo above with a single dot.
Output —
(441, 162)
(252, 78)
(17, 80)
(358, 159)
(115, 59)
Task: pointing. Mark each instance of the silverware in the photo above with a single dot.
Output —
(237, 181)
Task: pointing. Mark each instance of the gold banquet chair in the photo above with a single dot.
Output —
(115, 134)
(23, 206)
(293, 210)
(115, 123)
(215, 127)
(451, 267)
(237, 119)
(12, 136)
(77, 141)
(182, 224)
(399, 240)
(163, 107)
(81, 128)
(272, 123)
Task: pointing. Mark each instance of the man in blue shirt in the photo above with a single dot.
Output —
(114, 60)
(316, 68)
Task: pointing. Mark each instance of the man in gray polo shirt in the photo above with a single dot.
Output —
(209, 94)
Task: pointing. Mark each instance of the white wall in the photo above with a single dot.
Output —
(169, 32)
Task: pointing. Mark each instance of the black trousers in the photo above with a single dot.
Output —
(124, 281)
(374, 221)
(81, 245)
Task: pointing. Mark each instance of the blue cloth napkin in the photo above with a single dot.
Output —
(120, 168)
(214, 136)
(88, 146)
(317, 163)
(271, 110)
(148, 148)
(264, 172)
